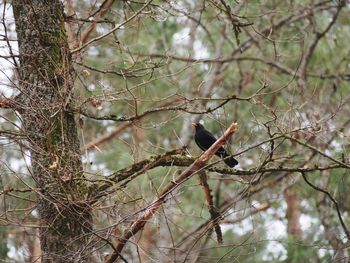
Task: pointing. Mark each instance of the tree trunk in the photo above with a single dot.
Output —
(293, 213)
(45, 83)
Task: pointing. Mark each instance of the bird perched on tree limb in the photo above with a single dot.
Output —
(204, 139)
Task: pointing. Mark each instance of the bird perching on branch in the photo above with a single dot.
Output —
(204, 139)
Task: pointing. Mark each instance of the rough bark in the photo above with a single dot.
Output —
(45, 83)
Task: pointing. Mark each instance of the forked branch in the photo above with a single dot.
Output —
(157, 203)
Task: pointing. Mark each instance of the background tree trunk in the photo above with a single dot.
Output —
(143, 71)
(293, 213)
(45, 82)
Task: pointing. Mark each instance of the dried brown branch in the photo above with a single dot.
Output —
(178, 158)
(183, 161)
(214, 211)
(248, 191)
(157, 203)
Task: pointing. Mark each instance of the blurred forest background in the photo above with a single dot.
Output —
(142, 72)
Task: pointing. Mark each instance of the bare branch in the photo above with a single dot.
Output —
(346, 230)
(97, 16)
(214, 212)
(317, 38)
(156, 204)
(112, 30)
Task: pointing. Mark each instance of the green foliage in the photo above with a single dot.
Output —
(297, 252)
(3, 243)
(178, 57)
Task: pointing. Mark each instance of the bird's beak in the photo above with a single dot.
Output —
(194, 124)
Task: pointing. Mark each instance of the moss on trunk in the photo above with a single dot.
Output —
(46, 83)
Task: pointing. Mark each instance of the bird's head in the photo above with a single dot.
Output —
(197, 126)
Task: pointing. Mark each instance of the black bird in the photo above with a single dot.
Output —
(204, 139)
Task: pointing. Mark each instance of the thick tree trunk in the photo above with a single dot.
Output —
(45, 82)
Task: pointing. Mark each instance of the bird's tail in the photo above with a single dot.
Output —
(230, 161)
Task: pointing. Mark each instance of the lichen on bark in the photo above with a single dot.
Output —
(46, 82)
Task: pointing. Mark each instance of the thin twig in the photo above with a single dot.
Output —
(113, 29)
(347, 233)
(157, 203)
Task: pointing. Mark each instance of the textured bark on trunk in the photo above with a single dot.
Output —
(46, 82)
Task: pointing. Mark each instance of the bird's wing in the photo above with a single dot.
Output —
(199, 143)
(205, 139)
